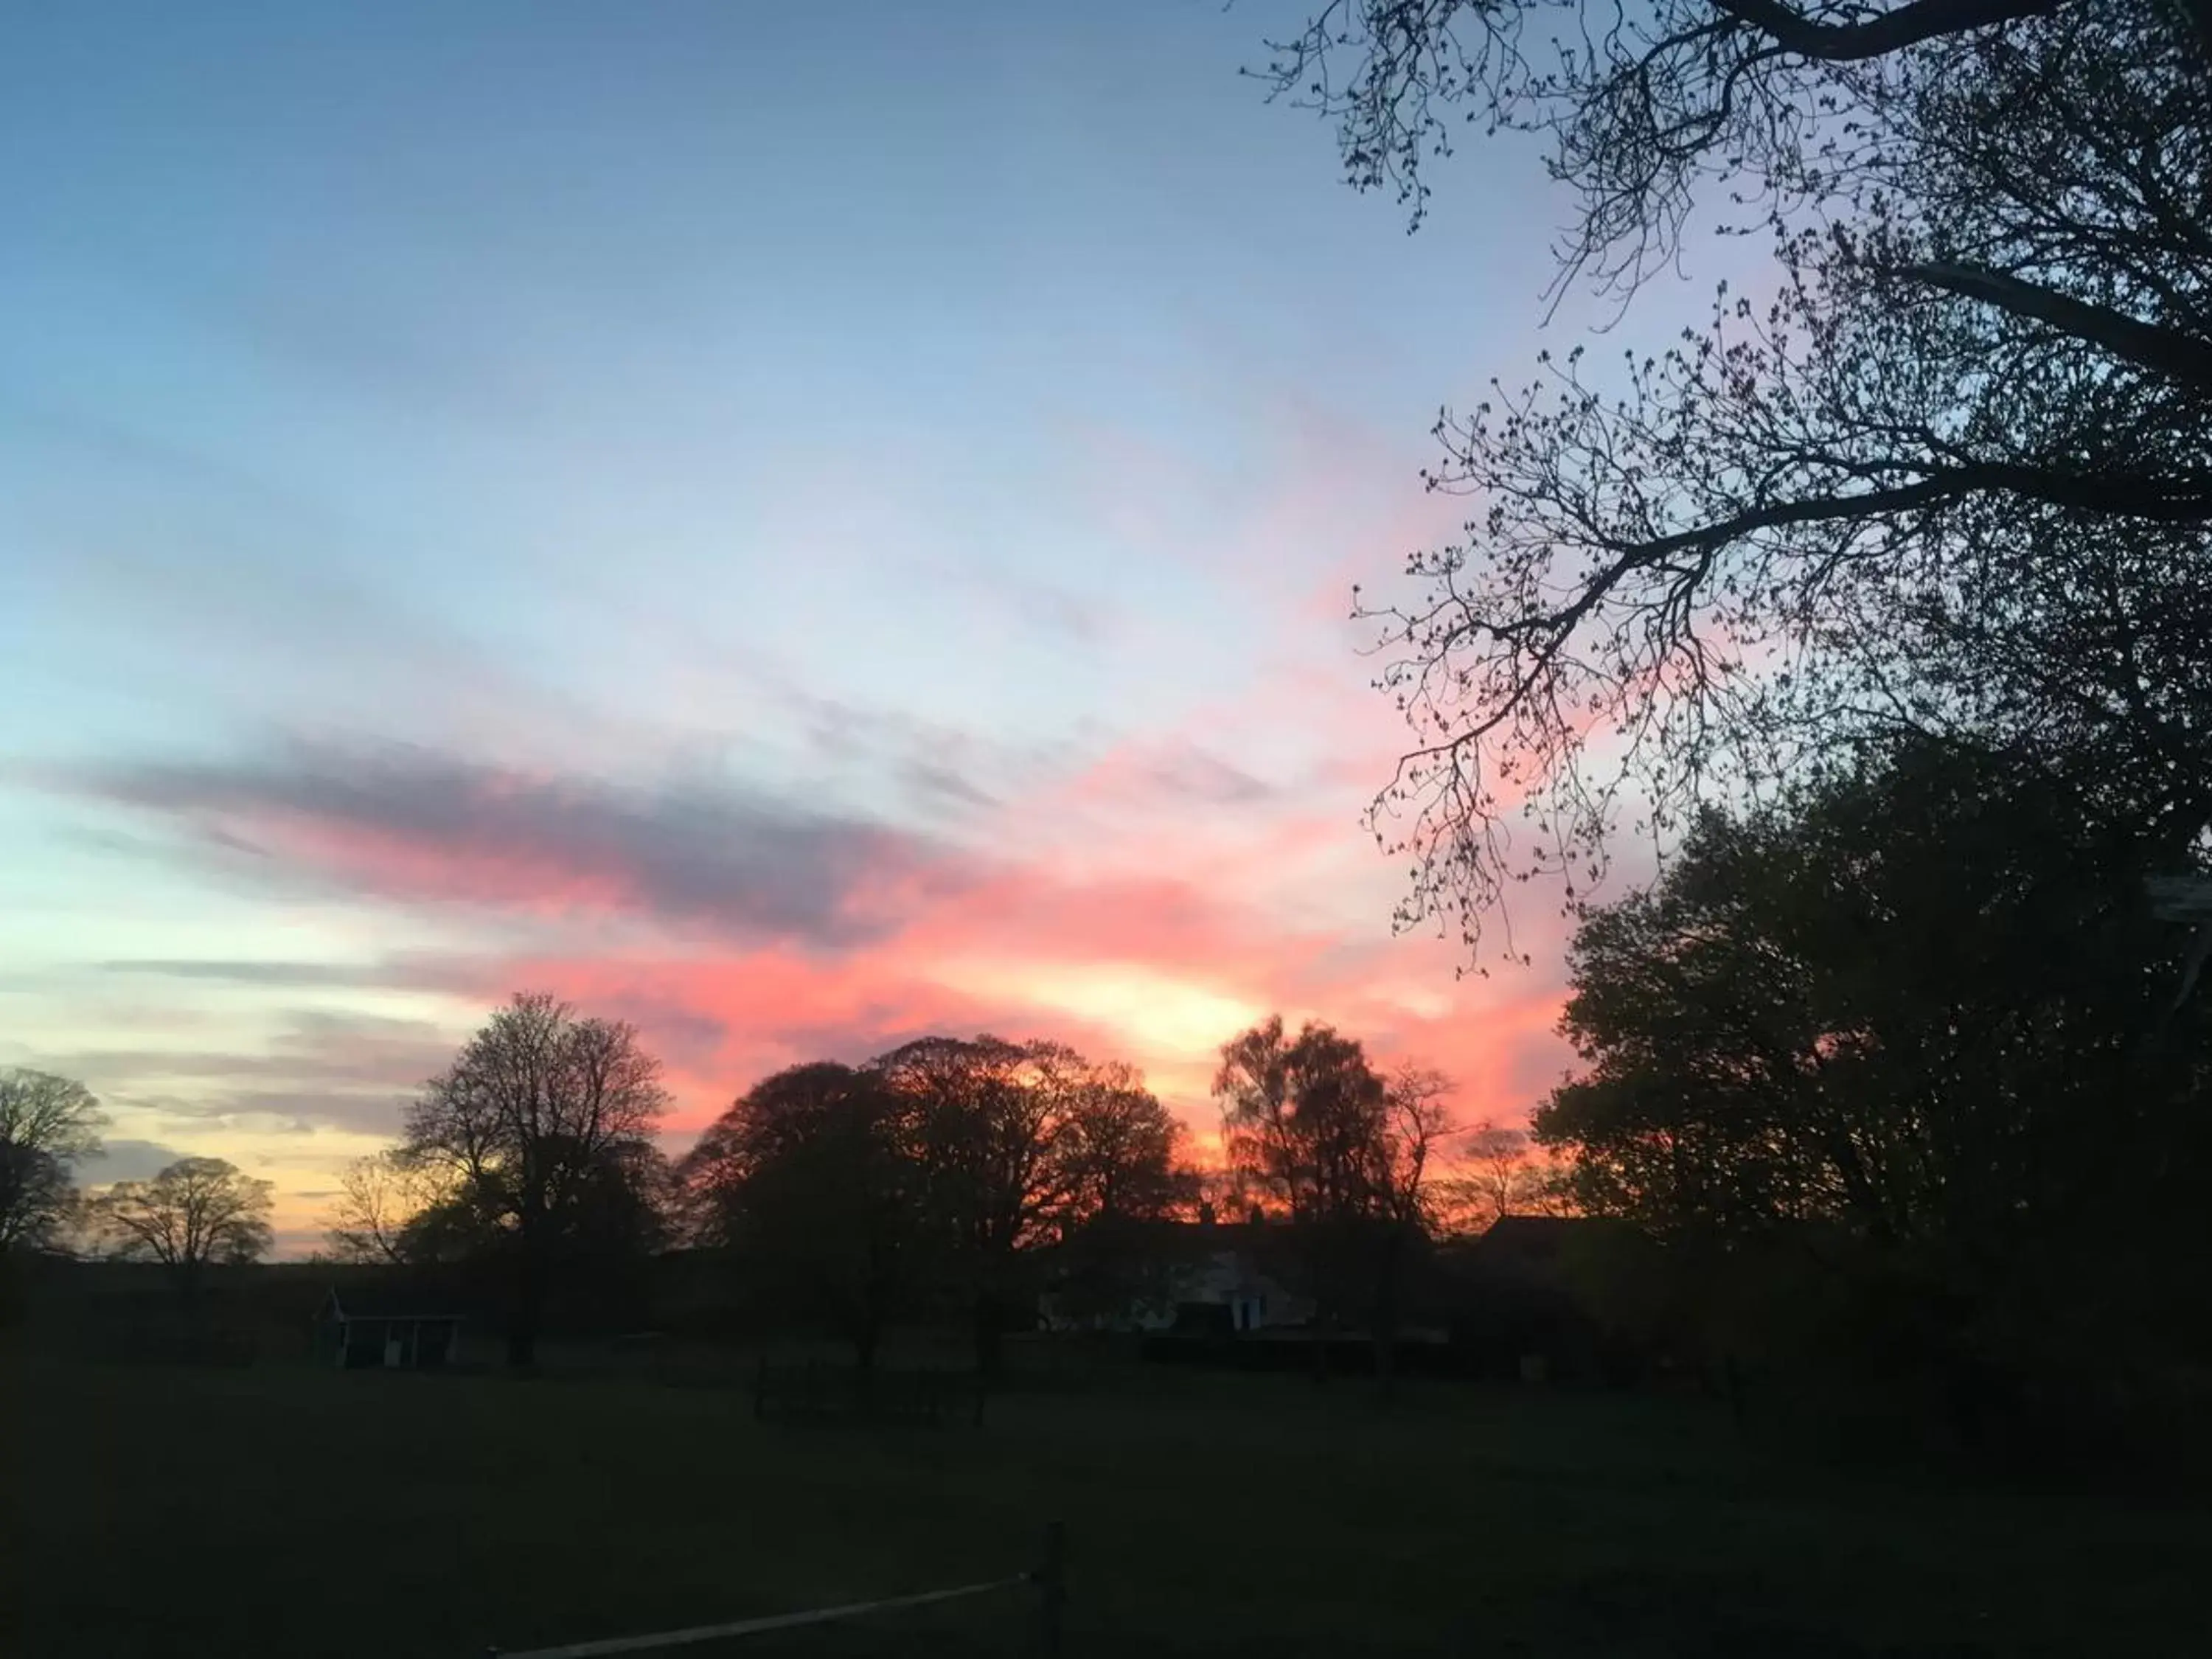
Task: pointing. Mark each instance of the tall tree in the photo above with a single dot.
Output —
(1922, 1013)
(1304, 1116)
(48, 1125)
(810, 1180)
(1019, 1145)
(1123, 1171)
(990, 1122)
(197, 1211)
(542, 1126)
(1121, 1151)
(1345, 1153)
(1417, 1122)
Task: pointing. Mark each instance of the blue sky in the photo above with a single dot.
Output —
(795, 525)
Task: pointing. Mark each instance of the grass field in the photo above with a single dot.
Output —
(283, 1510)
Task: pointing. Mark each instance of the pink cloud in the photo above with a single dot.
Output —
(1141, 904)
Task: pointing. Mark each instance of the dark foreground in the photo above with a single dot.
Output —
(283, 1510)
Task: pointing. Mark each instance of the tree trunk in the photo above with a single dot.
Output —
(529, 1312)
(185, 1275)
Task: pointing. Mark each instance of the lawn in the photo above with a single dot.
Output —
(285, 1510)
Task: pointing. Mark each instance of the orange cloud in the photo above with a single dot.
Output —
(1145, 903)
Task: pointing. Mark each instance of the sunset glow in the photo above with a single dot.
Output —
(796, 592)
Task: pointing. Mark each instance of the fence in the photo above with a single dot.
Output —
(1048, 1579)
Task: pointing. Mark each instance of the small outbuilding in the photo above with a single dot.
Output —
(364, 1329)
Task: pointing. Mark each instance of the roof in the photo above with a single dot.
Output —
(385, 1302)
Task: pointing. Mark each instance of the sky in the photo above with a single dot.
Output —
(795, 526)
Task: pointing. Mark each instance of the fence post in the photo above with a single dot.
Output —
(1051, 1580)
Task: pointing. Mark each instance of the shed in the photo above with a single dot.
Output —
(365, 1329)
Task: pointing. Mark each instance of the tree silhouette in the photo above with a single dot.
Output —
(1304, 1117)
(542, 1127)
(1345, 1153)
(379, 1198)
(1120, 1154)
(1918, 1017)
(1015, 1145)
(1954, 477)
(48, 1124)
(1641, 107)
(810, 1180)
(197, 1211)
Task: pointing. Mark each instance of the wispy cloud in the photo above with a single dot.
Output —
(216, 970)
(318, 1069)
(754, 932)
(412, 825)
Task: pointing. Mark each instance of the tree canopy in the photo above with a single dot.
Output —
(48, 1125)
(539, 1136)
(808, 1179)
(1919, 1011)
(1344, 1153)
(197, 1211)
(1310, 1122)
(931, 1175)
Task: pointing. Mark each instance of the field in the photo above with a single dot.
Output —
(285, 1510)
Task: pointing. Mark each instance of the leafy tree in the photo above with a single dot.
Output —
(986, 1137)
(1345, 1152)
(811, 1181)
(1919, 1019)
(1303, 1117)
(542, 1127)
(459, 1226)
(1956, 477)
(1123, 1169)
(1122, 1152)
(933, 1175)
(48, 1124)
(197, 1211)
(1009, 1138)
